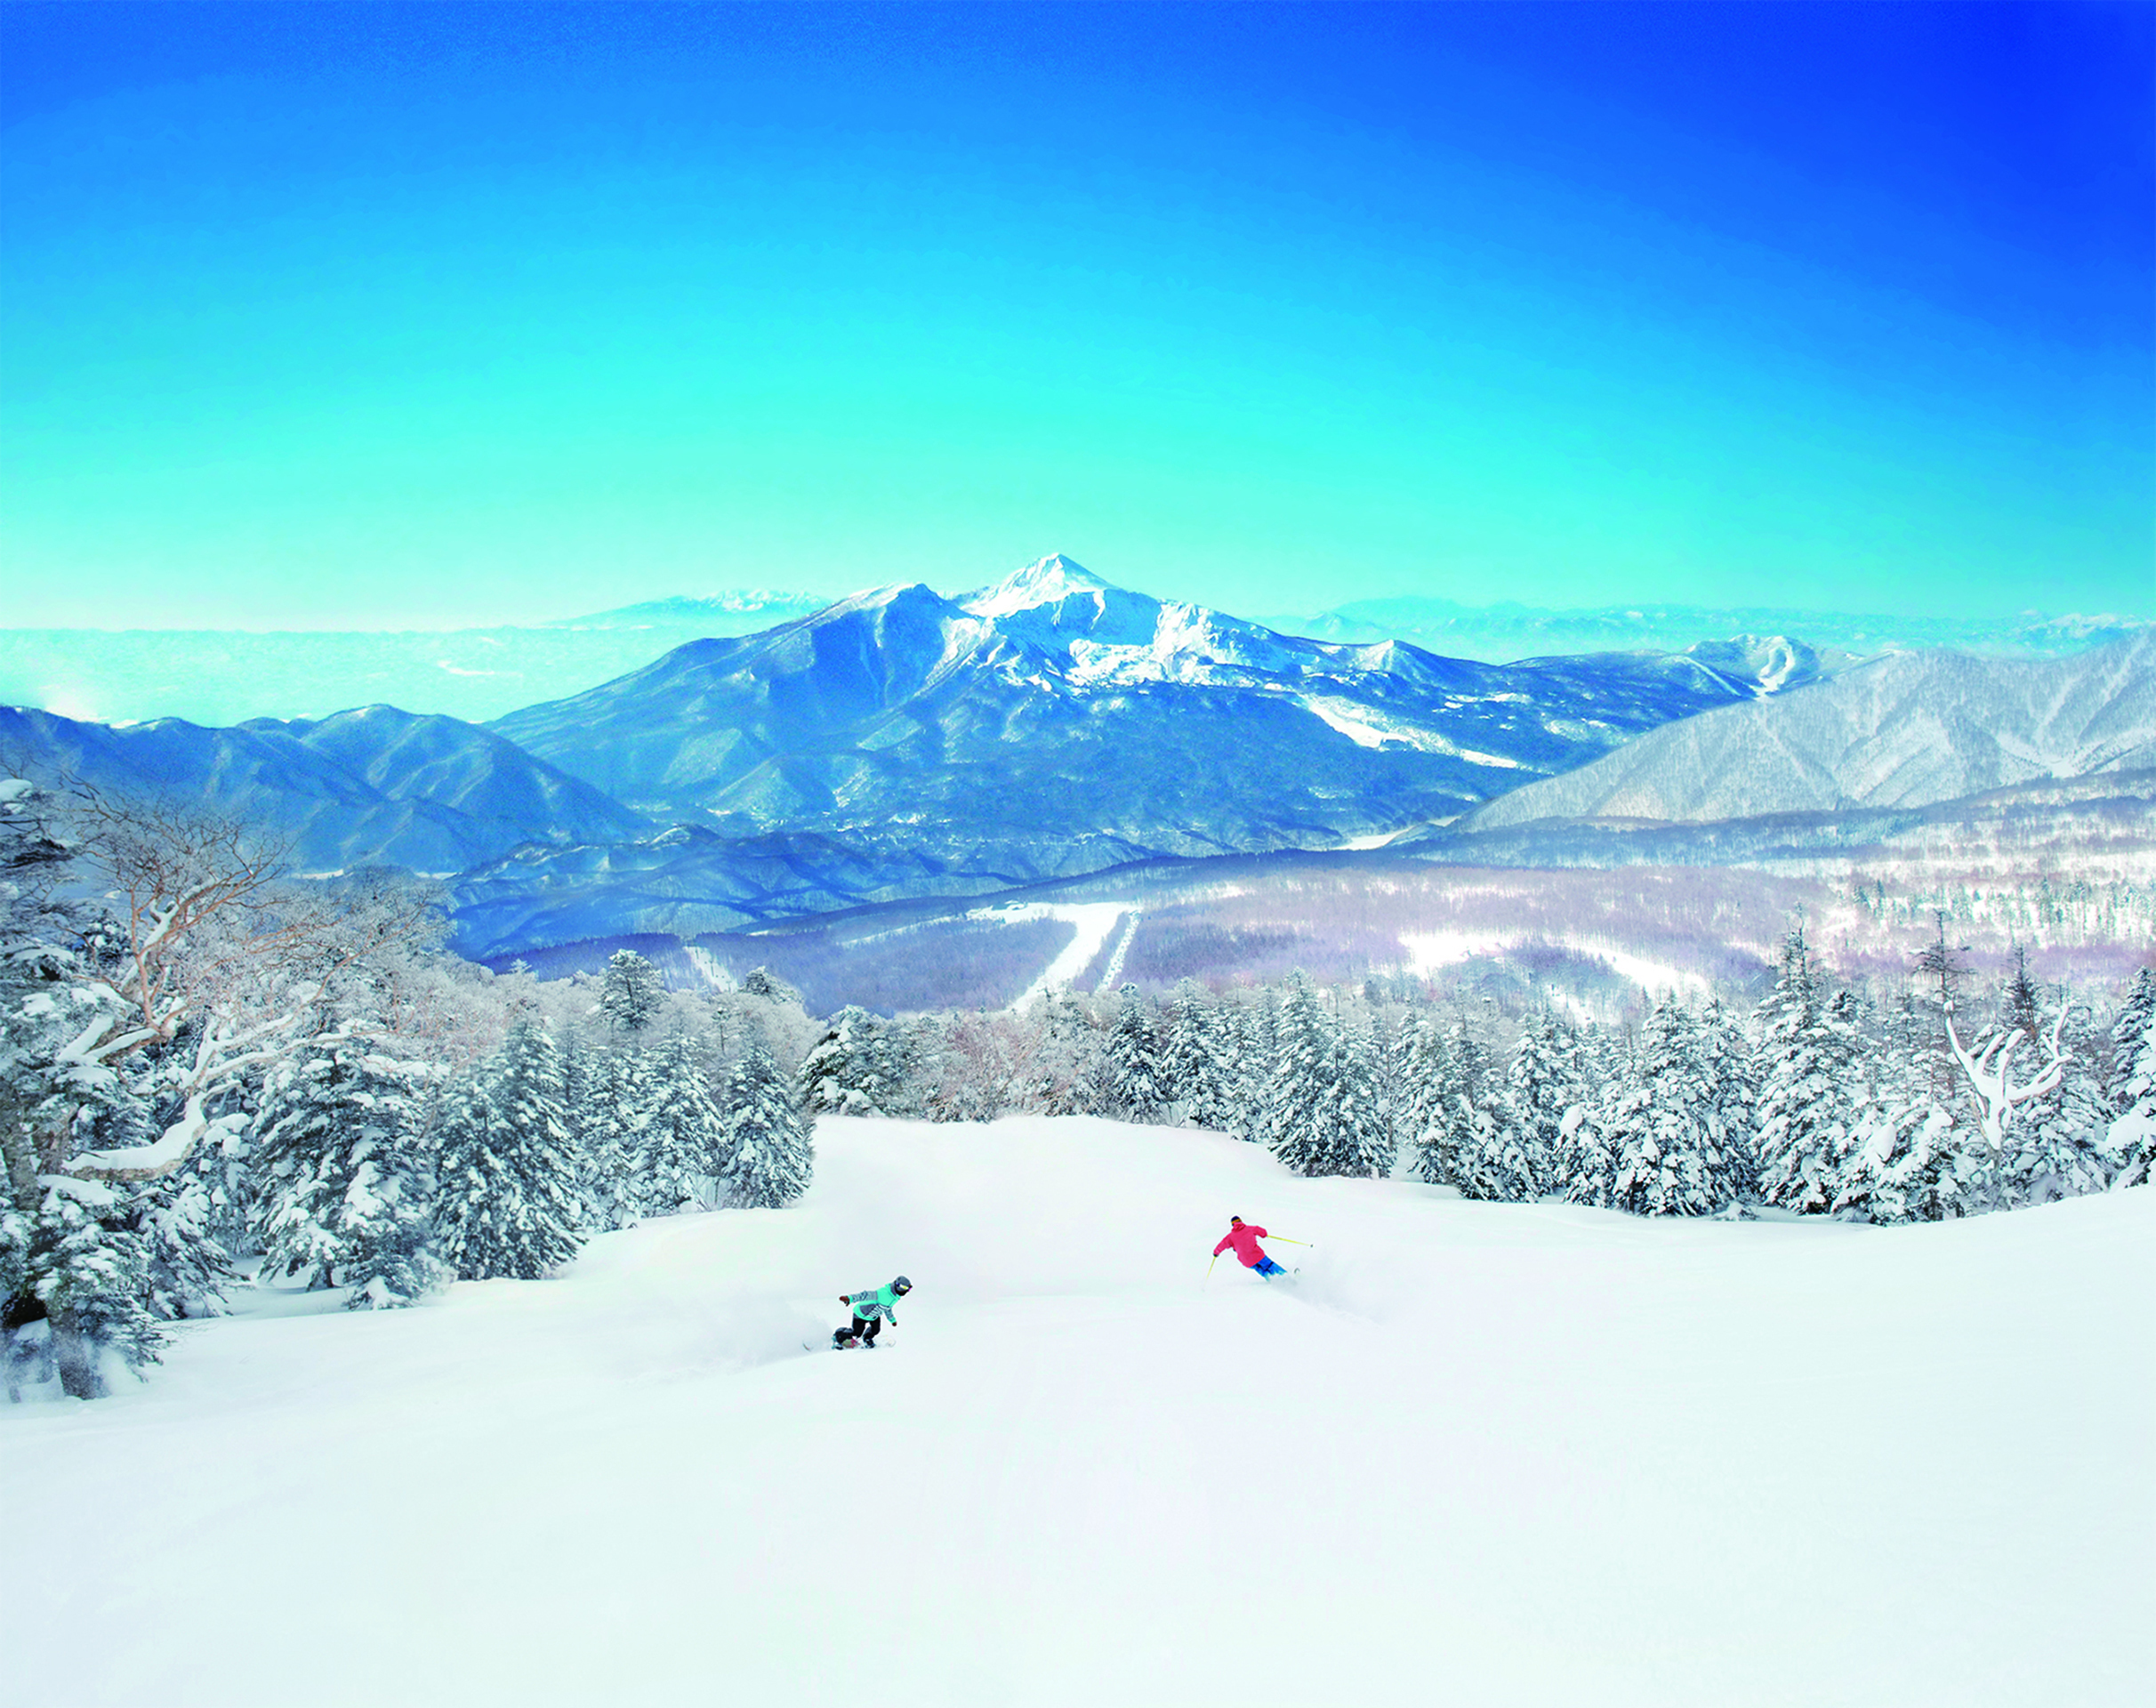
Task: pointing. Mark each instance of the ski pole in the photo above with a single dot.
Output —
(1312, 1244)
(1216, 1258)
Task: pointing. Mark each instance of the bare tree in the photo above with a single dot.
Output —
(206, 950)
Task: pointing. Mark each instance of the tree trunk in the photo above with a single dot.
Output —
(75, 1354)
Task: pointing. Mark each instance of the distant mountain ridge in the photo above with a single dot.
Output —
(1906, 730)
(1504, 632)
(373, 786)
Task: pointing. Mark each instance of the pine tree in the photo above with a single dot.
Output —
(631, 994)
(345, 1185)
(859, 1068)
(1673, 1156)
(1425, 1085)
(683, 1134)
(1803, 1119)
(1463, 1122)
(1195, 1069)
(1587, 1156)
(1302, 1060)
(610, 1138)
(88, 1267)
(771, 1153)
(1906, 1163)
(1326, 1115)
(1134, 1068)
(2131, 1144)
(2019, 1002)
(2060, 1144)
(2132, 1071)
(1248, 1037)
(1516, 1159)
(507, 1201)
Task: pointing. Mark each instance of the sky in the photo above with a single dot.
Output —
(379, 316)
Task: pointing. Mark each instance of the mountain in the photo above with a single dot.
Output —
(1509, 630)
(366, 787)
(1055, 706)
(731, 613)
(1906, 730)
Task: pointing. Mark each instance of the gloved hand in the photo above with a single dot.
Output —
(844, 1299)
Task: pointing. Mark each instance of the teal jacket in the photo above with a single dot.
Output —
(878, 1302)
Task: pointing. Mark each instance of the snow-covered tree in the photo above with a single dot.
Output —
(1664, 1127)
(345, 1181)
(2132, 1141)
(860, 1067)
(88, 1269)
(1326, 1113)
(1517, 1158)
(507, 1203)
(1803, 1120)
(683, 1134)
(1425, 1088)
(2059, 1145)
(1302, 1061)
(770, 1153)
(1136, 1082)
(1197, 1069)
(631, 994)
(1906, 1162)
(610, 1135)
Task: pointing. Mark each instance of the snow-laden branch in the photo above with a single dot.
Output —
(1990, 1075)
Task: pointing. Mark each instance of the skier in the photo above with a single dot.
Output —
(871, 1309)
(1245, 1238)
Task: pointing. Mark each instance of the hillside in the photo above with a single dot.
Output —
(1908, 730)
(1484, 1454)
(371, 787)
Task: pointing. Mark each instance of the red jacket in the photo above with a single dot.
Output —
(1244, 1238)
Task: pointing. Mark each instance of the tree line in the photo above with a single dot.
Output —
(1824, 1100)
(207, 1071)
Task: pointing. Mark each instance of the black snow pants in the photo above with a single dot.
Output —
(865, 1328)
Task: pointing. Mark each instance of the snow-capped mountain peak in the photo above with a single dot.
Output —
(1050, 581)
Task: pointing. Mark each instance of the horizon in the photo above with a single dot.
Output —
(749, 601)
(414, 319)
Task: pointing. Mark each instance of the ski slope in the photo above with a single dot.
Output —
(1480, 1455)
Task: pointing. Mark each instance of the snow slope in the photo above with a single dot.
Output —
(1486, 1454)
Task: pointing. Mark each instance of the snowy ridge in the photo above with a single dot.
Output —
(1908, 730)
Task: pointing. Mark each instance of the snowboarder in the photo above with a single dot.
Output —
(1244, 1236)
(871, 1309)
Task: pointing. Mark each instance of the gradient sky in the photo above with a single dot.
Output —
(320, 315)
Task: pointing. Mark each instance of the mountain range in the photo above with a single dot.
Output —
(902, 744)
(1512, 630)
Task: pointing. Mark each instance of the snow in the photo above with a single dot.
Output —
(707, 968)
(1482, 1453)
(1427, 951)
(1045, 582)
(1093, 921)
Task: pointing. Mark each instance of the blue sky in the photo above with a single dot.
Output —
(322, 316)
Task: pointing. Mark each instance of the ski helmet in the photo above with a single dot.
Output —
(1236, 1220)
(902, 1285)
